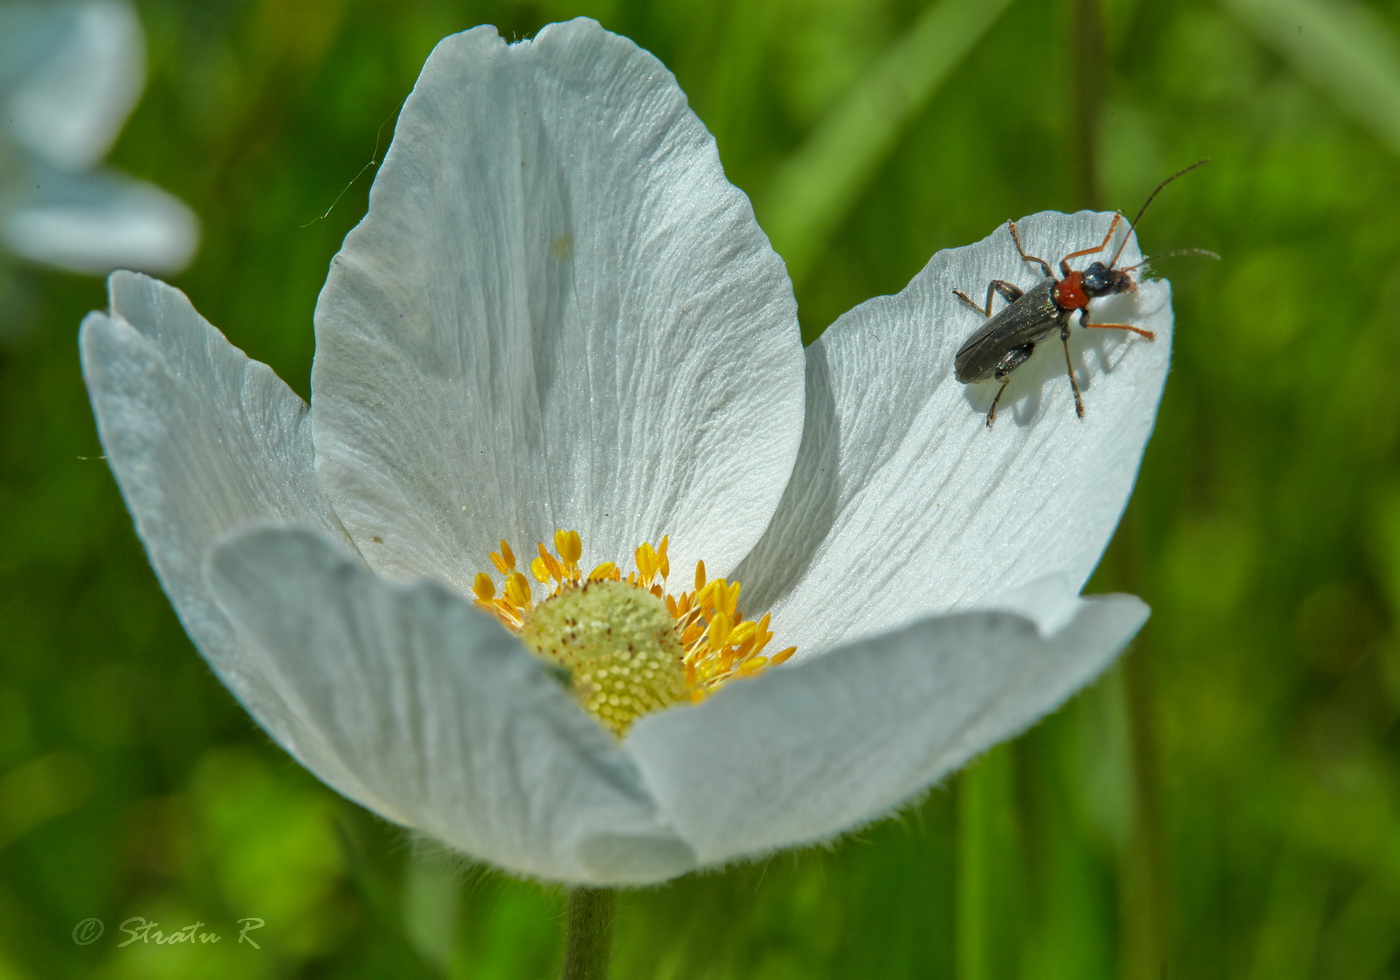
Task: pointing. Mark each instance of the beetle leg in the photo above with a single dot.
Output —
(992, 412)
(1064, 262)
(1000, 287)
(1045, 266)
(1084, 322)
(1009, 362)
(1148, 334)
(1069, 366)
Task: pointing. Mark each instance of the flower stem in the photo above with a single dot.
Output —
(588, 935)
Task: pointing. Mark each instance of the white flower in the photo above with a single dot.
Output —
(558, 314)
(70, 73)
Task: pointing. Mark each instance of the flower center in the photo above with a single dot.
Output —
(629, 646)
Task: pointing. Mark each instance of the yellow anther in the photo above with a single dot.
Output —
(482, 586)
(507, 613)
(661, 553)
(720, 628)
(750, 666)
(569, 546)
(699, 575)
(692, 634)
(518, 590)
(704, 598)
(540, 570)
(507, 554)
(782, 655)
(647, 563)
(723, 596)
(760, 641)
(605, 570)
(743, 632)
(556, 570)
(501, 565)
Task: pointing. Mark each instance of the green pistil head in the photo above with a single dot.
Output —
(619, 645)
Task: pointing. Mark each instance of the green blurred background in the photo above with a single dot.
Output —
(1224, 803)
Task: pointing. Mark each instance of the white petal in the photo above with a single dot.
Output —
(809, 750)
(444, 714)
(81, 68)
(558, 313)
(904, 503)
(96, 222)
(203, 441)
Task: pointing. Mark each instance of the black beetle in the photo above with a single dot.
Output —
(1006, 340)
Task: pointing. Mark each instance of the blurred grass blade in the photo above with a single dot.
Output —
(971, 910)
(430, 908)
(39, 790)
(989, 875)
(1296, 910)
(1345, 49)
(814, 190)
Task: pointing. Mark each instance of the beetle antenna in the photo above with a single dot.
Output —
(1141, 210)
(1176, 251)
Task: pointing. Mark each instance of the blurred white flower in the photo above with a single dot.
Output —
(70, 73)
(559, 323)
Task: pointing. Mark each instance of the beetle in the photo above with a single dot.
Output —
(1008, 338)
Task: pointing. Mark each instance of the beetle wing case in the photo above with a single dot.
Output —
(1026, 321)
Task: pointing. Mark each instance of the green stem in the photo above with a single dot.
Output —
(987, 865)
(588, 936)
(1144, 922)
(970, 912)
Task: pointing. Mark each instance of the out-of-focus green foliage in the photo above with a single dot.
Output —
(1224, 804)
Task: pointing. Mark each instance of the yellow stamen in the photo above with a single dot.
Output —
(720, 629)
(569, 546)
(648, 564)
(518, 590)
(553, 565)
(483, 587)
(743, 633)
(630, 645)
(692, 634)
